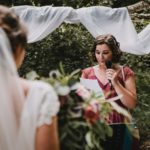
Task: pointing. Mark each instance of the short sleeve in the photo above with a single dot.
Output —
(86, 72)
(128, 72)
(49, 107)
(83, 74)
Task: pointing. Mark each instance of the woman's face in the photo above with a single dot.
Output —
(103, 53)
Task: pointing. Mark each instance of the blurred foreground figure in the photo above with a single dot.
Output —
(28, 109)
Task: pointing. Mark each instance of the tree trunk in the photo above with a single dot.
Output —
(137, 7)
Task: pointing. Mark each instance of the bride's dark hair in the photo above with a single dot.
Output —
(13, 27)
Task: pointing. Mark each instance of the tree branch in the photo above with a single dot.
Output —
(138, 7)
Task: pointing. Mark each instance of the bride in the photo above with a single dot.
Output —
(28, 108)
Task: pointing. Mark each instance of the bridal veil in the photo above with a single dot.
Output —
(11, 99)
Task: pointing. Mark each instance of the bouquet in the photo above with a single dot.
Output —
(83, 117)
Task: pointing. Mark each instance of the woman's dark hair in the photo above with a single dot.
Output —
(15, 30)
(112, 43)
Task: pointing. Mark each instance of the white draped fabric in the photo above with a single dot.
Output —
(41, 21)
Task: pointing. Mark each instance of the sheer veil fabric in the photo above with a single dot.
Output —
(11, 99)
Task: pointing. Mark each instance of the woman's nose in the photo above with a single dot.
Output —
(101, 55)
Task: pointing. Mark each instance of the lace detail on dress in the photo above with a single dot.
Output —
(41, 104)
(49, 108)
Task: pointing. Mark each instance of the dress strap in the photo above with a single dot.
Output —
(123, 77)
(122, 71)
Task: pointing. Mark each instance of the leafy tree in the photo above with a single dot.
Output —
(71, 44)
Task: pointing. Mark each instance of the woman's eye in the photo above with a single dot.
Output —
(98, 53)
(105, 53)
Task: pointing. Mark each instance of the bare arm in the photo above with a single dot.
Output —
(128, 92)
(47, 136)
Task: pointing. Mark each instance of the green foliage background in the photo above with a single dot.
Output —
(71, 44)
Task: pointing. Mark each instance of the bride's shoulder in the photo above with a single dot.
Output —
(40, 85)
(43, 98)
(35, 86)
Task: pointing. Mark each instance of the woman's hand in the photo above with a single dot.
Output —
(112, 75)
(128, 90)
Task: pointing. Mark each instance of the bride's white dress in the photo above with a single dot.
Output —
(40, 106)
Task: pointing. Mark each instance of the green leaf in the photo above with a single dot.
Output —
(89, 139)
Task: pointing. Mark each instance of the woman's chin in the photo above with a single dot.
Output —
(102, 63)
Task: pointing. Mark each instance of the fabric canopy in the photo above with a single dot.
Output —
(41, 21)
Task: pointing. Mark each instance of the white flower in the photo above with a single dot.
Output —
(83, 92)
(62, 90)
(54, 74)
(76, 86)
(95, 104)
(32, 75)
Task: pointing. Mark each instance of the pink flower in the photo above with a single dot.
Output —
(91, 115)
(84, 93)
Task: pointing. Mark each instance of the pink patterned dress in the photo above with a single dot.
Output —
(109, 91)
